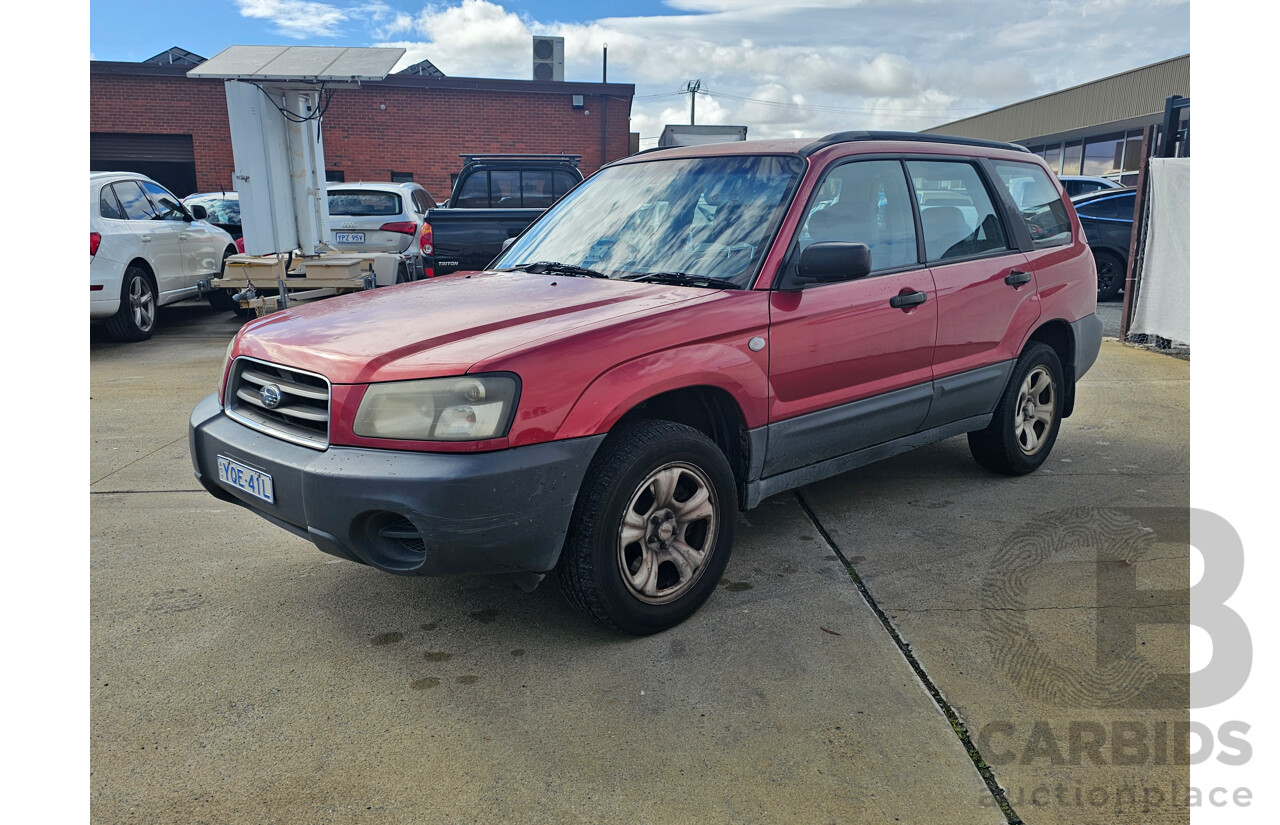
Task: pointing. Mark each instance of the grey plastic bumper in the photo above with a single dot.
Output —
(1087, 334)
(504, 511)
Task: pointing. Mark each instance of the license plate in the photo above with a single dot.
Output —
(253, 482)
(348, 237)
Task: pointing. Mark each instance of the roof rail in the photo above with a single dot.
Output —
(849, 137)
(572, 159)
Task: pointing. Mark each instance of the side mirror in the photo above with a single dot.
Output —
(830, 262)
(508, 242)
(199, 212)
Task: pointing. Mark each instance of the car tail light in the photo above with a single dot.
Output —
(403, 227)
(94, 240)
(426, 242)
(240, 244)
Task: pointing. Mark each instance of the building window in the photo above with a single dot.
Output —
(1104, 155)
(335, 176)
(1053, 157)
(402, 177)
(1071, 157)
(1133, 152)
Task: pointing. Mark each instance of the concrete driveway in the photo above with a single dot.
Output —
(917, 641)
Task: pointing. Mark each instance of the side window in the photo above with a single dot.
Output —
(564, 182)
(1038, 201)
(108, 206)
(132, 200)
(536, 189)
(956, 213)
(866, 202)
(504, 188)
(166, 204)
(475, 192)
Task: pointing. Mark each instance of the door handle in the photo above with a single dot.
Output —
(906, 300)
(145, 239)
(1017, 278)
(182, 236)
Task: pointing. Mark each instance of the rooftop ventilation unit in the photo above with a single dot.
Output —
(548, 58)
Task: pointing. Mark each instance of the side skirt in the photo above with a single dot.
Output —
(758, 491)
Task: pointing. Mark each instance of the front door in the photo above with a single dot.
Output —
(847, 370)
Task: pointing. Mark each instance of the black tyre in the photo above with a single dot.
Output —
(1026, 421)
(136, 318)
(652, 528)
(220, 299)
(1111, 272)
(402, 274)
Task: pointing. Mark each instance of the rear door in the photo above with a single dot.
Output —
(986, 289)
(847, 370)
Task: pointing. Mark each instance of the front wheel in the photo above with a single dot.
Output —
(652, 528)
(1026, 421)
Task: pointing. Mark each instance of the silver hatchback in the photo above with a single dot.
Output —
(380, 217)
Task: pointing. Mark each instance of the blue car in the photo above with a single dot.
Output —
(1107, 217)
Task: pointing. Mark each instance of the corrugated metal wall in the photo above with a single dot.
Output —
(1132, 94)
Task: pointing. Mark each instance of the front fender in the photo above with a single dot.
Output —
(727, 365)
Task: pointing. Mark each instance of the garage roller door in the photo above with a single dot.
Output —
(169, 159)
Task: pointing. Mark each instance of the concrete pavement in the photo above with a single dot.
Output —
(238, 674)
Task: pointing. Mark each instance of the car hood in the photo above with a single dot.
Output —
(443, 326)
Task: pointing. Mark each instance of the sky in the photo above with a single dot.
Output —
(783, 69)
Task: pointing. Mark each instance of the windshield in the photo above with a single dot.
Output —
(221, 210)
(711, 218)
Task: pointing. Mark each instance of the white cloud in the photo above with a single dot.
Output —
(299, 19)
(813, 66)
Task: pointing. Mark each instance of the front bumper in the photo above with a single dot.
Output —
(425, 514)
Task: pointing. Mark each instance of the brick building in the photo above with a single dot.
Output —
(151, 118)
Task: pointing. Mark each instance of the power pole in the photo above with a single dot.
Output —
(692, 88)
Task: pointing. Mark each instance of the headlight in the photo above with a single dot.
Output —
(222, 376)
(468, 408)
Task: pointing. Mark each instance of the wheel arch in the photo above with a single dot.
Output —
(145, 266)
(711, 410)
(1058, 335)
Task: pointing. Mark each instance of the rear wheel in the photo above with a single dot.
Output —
(1111, 272)
(136, 318)
(652, 528)
(1026, 421)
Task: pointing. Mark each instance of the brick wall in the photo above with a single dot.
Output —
(422, 130)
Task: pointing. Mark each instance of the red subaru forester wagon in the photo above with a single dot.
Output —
(684, 334)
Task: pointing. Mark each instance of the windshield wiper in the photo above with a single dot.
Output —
(683, 279)
(557, 268)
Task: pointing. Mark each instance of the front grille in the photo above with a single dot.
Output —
(301, 414)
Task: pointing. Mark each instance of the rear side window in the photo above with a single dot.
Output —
(475, 192)
(355, 203)
(1038, 202)
(134, 201)
(866, 202)
(108, 207)
(956, 213)
(1119, 208)
(564, 182)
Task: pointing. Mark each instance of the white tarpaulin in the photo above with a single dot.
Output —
(1164, 296)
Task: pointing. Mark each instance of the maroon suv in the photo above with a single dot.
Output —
(686, 333)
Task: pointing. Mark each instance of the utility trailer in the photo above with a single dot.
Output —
(262, 284)
(276, 98)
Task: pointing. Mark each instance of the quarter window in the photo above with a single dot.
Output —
(956, 213)
(866, 202)
(1038, 202)
(107, 205)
